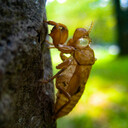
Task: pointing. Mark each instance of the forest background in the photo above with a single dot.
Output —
(104, 103)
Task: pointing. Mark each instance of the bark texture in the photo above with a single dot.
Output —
(24, 59)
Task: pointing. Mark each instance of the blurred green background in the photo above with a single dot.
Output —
(104, 103)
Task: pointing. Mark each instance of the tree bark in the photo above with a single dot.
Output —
(122, 27)
(24, 60)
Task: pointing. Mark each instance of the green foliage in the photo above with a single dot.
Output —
(76, 14)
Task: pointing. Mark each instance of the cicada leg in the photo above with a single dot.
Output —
(48, 42)
(59, 32)
(63, 57)
(61, 66)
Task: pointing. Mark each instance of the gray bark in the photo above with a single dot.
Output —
(24, 60)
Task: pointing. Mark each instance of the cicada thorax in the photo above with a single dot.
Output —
(84, 56)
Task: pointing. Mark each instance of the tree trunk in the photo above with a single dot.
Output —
(24, 60)
(122, 27)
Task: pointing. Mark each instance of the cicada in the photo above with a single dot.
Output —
(74, 70)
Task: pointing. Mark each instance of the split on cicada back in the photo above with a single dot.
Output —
(84, 41)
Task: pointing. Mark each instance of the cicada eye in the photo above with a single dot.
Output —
(84, 42)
